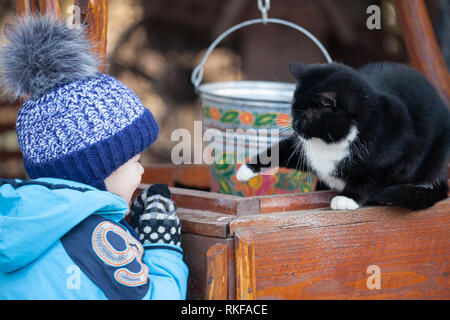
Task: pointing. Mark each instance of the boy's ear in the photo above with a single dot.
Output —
(298, 70)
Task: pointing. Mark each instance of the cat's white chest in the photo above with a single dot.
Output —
(324, 157)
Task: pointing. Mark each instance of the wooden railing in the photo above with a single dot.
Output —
(423, 49)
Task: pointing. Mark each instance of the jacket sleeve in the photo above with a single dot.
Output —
(167, 272)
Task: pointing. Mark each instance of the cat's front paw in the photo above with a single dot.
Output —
(245, 173)
(343, 203)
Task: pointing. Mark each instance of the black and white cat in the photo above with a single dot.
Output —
(379, 134)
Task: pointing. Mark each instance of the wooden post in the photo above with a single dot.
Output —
(26, 7)
(95, 14)
(422, 46)
(245, 265)
(217, 273)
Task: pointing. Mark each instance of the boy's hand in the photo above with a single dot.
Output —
(153, 216)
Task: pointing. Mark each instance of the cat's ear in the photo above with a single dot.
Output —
(298, 70)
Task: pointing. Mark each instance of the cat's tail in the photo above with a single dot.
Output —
(411, 196)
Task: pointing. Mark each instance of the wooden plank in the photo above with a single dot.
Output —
(217, 202)
(296, 201)
(95, 14)
(158, 174)
(7, 127)
(332, 263)
(10, 155)
(204, 222)
(9, 104)
(22, 7)
(193, 176)
(47, 6)
(327, 218)
(217, 273)
(211, 201)
(195, 249)
(26, 7)
(326, 254)
(245, 265)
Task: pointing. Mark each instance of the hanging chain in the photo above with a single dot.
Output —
(264, 8)
(197, 73)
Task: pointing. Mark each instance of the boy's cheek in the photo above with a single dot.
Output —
(138, 182)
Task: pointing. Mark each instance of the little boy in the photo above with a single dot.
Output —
(62, 233)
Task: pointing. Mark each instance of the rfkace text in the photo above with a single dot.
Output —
(238, 309)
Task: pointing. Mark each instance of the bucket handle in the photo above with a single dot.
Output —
(197, 73)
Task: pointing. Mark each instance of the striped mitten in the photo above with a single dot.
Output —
(153, 216)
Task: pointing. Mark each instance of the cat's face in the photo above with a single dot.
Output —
(322, 107)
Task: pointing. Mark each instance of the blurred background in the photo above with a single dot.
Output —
(153, 46)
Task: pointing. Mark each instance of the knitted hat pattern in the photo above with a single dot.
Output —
(77, 125)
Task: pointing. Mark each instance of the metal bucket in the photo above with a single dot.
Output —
(233, 109)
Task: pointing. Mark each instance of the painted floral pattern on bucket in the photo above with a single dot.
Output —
(285, 181)
(246, 118)
(223, 172)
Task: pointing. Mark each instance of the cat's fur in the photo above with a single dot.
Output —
(379, 134)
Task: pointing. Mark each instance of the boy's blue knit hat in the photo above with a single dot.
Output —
(77, 124)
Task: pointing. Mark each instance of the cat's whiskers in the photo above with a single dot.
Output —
(295, 151)
(279, 126)
(304, 159)
(292, 154)
(301, 159)
(297, 146)
(331, 138)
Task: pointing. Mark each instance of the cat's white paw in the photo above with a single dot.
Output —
(343, 203)
(245, 173)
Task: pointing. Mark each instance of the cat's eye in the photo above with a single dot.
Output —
(325, 100)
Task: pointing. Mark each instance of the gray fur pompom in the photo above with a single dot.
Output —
(42, 53)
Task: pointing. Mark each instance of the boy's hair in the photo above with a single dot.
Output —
(77, 124)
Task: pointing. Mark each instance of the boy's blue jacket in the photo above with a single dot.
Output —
(65, 240)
